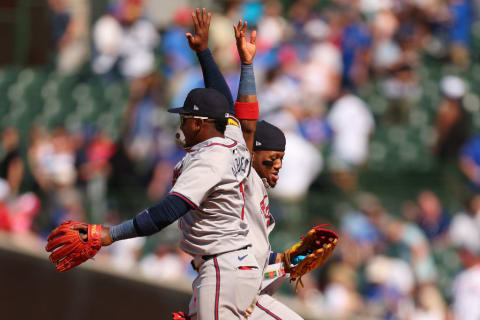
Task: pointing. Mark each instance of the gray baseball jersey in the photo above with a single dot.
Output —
(260, 221)
(211, 178)
(260, 224)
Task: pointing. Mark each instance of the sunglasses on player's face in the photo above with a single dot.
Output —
(187, 116)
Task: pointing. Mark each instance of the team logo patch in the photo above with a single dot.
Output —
(265, 210)
(195, 107)
(176, 173)
(232, 122)
(258, 143)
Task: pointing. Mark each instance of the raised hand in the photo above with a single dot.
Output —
(246, 49)
(201, 25)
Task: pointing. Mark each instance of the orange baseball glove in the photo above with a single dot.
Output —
(71, 247)
(310, 253)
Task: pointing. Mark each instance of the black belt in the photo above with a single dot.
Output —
(206, 258)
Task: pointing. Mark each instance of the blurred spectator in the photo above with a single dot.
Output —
(390, 282)
(465, 227)
(432, 219)
(466, 287)
(429, 304)
(322, 71)
(124, 38)
(61, 170)
(144, 116)
(356, 47)
(95, 171)
(409, 243)
(11, 165)
(310, 295)
(69, 27)
(163, 264)
(470, 161)
(54, 163)
(360, 238)
(23, 211)
(378, 216)
(386, 51)
(300, 13)
(451, 119)
(177, 53)
(272, 27)
(222, 42)
(460, 26)
(150, 132)
(403, 92)
(125, 255)
(40, 152)
(340, 297)
(279, 88)
(60, 21)
(350, 140)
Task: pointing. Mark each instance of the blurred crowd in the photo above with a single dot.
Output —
(316, 63)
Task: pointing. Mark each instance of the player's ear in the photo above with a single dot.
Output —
(197, 124)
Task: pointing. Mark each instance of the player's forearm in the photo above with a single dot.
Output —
(246, 106)
(247, 91)
(212, 76)
(151, 220)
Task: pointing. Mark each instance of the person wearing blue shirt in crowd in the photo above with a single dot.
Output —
(470, 161)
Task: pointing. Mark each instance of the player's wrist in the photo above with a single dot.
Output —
(201, 49)
(246, 110)
(279, 258)
(203, 52)
(106, 237)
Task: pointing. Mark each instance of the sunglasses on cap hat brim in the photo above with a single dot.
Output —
(189, 116)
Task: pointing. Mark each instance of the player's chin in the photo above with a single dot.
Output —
(272, 181)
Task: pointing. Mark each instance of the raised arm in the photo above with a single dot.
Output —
(246, 106)
(198, 42)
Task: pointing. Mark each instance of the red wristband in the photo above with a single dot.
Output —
(246, 110)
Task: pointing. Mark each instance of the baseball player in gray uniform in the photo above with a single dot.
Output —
(207, 199)
(211, 176)
(268, 145)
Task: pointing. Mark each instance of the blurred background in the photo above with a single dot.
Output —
(379, 102)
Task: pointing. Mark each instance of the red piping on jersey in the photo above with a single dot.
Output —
(217, 289)
(243, 196)
(215, 144)
(245, 268)
(268, 311)
(184, 198)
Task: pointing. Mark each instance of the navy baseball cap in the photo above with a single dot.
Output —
(269, 137)
(204, 102)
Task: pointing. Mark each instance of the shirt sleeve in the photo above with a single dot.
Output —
(212, 76)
